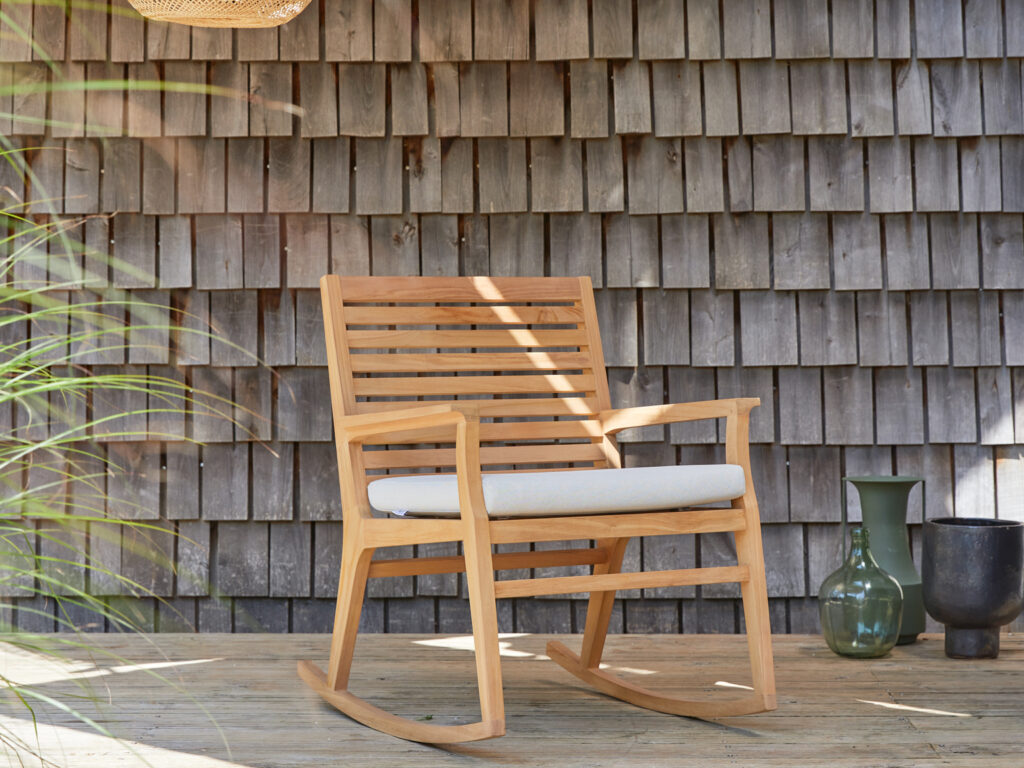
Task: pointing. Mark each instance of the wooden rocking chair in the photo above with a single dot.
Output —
(516, 379)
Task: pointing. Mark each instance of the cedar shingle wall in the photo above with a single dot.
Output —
(817, 204)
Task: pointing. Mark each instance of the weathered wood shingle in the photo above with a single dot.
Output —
(632, 96)
(801, 29)
(800, 248)
(741, 251)
(956, 98)
(677, 102)
(361, 95)
(589, 98)
(825, 318)
(446, 30)
(660, 30)
(778, 167)
(721, 114)
(899, 399)
(871, 98)
(819, 98)
(747, 31)
(768, 328)
(764, 97)
(348, 30)
(535, 99)
(556, 175)
(654, 175)
(685, 251)
(836, 170)
(939, 32)
(631, 250)
(502, 29)
(613, 29)
(560, 29)
(1002, 251)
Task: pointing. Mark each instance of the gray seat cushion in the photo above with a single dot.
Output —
(573, 492)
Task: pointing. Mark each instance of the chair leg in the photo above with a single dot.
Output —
(484, 613)
(355, 565)
(599, 607)
(750, 552)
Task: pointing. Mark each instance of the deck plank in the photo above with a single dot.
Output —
(911, 706)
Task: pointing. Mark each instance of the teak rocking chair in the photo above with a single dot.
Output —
(516, 379)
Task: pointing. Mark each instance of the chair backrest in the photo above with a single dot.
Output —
(527, 350)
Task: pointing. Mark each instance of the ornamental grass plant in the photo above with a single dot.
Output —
(70, 412)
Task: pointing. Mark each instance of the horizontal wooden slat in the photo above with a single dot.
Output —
(511, 454)
(503, 561)
(539, 406)
(496, 289)
(612, 581)
(616, 526)
(498, 471)
(394, 532)
(489, 315)
(506, 431)
(469, 361)
(473, 385)
(521, 337)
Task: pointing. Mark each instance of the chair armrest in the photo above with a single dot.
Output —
(356, 429)
(465, 424)
(618, 419)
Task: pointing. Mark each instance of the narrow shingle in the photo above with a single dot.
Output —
(589, 99)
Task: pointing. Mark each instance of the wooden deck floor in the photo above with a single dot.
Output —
(240, 693)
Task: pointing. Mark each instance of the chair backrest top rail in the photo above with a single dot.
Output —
(469, 289)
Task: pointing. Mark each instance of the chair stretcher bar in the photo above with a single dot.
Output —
(614, 581)
(503, 561)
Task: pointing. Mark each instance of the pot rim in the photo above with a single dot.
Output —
(974, 523)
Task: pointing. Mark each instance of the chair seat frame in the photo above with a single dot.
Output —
(460, 423)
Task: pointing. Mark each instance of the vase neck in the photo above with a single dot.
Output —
(860, 552)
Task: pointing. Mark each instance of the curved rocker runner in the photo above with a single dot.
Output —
(541, 401)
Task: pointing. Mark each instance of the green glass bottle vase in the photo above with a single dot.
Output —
(861, 605)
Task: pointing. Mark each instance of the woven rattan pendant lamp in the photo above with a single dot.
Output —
(221, 13)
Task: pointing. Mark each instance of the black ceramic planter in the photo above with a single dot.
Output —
(972, 572)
